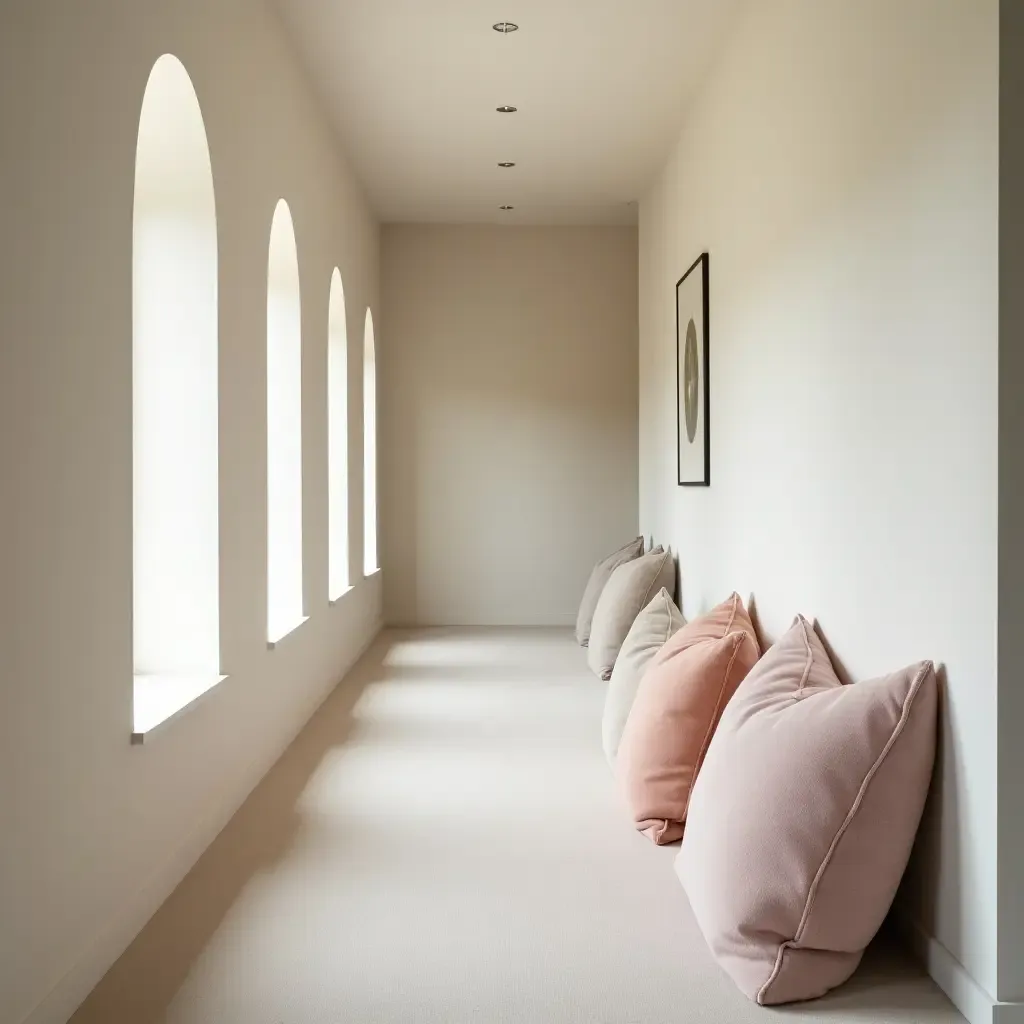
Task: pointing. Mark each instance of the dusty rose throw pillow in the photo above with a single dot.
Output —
(803, 817)
(677, 706)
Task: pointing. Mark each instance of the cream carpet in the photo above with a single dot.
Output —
(444, 843)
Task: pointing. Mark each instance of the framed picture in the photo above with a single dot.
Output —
(693, 386)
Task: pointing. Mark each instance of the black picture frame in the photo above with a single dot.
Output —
(693, 450)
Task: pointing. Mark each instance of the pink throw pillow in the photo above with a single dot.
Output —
(677, 706)
(803, 817)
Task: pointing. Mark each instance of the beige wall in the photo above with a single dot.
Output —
(96, 832)
(841, 167)
(509, 422)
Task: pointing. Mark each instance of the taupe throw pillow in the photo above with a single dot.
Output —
(655, 624)
(625, 595)
(598, 578)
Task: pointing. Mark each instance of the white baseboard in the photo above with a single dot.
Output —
(952, 977)
(119, 933)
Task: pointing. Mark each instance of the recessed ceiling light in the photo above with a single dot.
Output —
(506, 163)
(506, 207)
(507, 110)
(504, 27)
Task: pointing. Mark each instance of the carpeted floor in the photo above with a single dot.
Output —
(444, 844)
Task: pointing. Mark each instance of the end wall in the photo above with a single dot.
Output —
(509, 435)
(841, 167)
(95, 832)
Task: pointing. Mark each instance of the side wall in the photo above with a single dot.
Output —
(1011, 502)
(841, 167)
(97, 832)
(509, 442)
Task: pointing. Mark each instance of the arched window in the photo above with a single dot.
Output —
(284, 430)
(370, 565)
(337, 458)
(176, 619)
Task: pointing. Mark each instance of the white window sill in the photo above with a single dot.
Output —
(159, 699)
(370, 575)
(341, 597)
(273, 641)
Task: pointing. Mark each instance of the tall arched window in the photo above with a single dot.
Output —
(337, 458)
(370, 565)
(176, 619)
(284, 430)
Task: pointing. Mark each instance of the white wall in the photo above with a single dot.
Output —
(96, 832)
(509, 429)
(841, 167)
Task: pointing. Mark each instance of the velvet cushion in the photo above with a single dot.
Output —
(625, 595)
(803, 817)
(653, 626)
(599, 576)
(677, 706)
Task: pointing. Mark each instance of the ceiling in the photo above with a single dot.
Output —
(601, 88)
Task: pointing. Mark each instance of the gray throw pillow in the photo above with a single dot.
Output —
(598, 578)
(625, 595)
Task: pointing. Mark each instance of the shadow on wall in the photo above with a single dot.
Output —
(141, 985)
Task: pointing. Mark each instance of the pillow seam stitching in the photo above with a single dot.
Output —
(915, 688)
(732, 616)
(657, 576)
(668, 630)
(810, 660)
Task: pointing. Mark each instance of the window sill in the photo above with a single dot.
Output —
(370, 575)
(159, 699)
(341, 597)
(273, 642)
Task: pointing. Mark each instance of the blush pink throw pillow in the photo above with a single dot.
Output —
(803, 817)
(677, 706)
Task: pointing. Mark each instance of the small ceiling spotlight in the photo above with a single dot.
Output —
(506, 207)
(506, 110)
(506, 163)
(504, 27)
